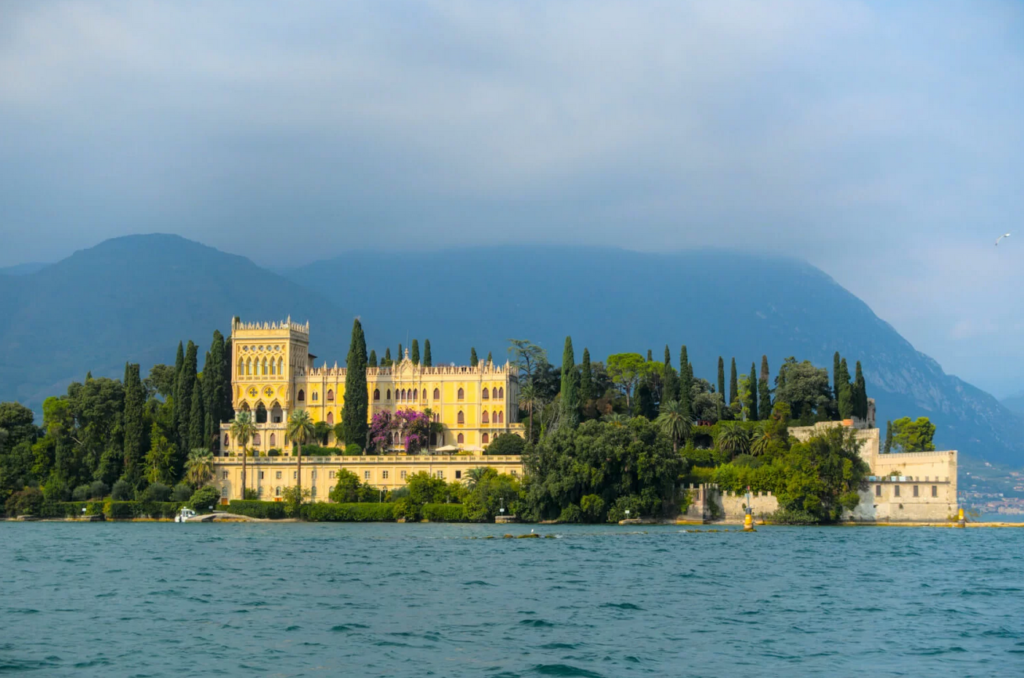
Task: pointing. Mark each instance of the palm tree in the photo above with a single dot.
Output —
(199, 467)
(617, 419)
(242, 430)
(300, 430)
(733, 439)
(528, 396)
(475, 475)
(674, 422)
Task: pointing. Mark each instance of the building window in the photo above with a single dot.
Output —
(224, 475)
(227, 441)
(501, 417)
(486, 419)
(415, 394)
(461, 439)
(402, 474)
(485, 394)
(389, 394)
(440, 475)
(278, 475)
(384, 475)
(935, 491)
(878, 490)
(301, 397)
(312, 492)
(437, 394)
(376, 394)
(330, 418)
(265, 367)
(461, 394)
(280, 366)
(261, 475)
(330, 395)
(273, 440)
(514, 472)
(461, 418)
(315, 396)
(895, 490)
(915, 490)
(330, 475)
(495, 392)
(366, 475)
(224, 491)
(501, 392)
(241, 367)
(314, 474)
(277, 491)
(295, 475)
(248, 368)
(458, 475)
(485, 439)
(256, 439)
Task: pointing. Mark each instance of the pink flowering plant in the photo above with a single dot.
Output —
(380, 431)
(412, 427)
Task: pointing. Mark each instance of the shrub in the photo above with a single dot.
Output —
(273, 452)
(444, 513)
(122, 491)
(792, 517)
(156, 492)
(28, 502)
(506, 444)
(571, 514)
(182, 492)
(249, 494)
(121, 510)
(359, 513)
(80, 493)
(271, 510)
(405, 508)
(353, 450)
(203, 498)
(592, 508)
(317, 451)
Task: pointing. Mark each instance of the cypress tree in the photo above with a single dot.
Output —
(860, 401)
(570, 387)
(213, 382)
(734, 386)
(428, 361)
(586, 378)
(357, 398)
(134, 425)
(197, 419)
(179, 363)
(206, 387)
(669, 381)
(752, 388)
(650, 356)
(645, 400)
(473, 360)
(763, 391)
(685, 382)
(387, 362)
(846, 395)
(226, 409)
(721, 376)
(401, 356)
(835, 376)
(373, 359)
(183, 399)
(415, 351)
(888, 438)
(490, 358)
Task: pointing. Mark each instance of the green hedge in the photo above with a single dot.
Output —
(71, 509)
(128, 510)
(321, 512)
(444, 513)
(272, 510)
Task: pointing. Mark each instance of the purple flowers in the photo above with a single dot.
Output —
(407, 427)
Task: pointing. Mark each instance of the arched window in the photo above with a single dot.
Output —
(330, 395)
(227, 440)
(330, 418)
(265, 367)
(437, 394)
(376, 394)
(501, 417)
(241, 367)
(461, 395)
(389, 394)
(256, 439)
(485, 394)
(261, 414)
(302, 396)
(485, 419)
(501, 392)
(461, 439)
(462, 417)
(248, 367)
(273, 440)
(414, 392)
(495, 392)
(280, 365)
(277, 491)
(485, 439)
(316, 396)
(273, 367)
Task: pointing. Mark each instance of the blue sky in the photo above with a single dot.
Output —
(883, 142)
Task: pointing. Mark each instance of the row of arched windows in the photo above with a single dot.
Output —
(495, 417)
(269, 366)
(494, 393)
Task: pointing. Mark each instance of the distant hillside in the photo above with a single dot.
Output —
(23, 269)
(1014, 403)
(612, 300)
(133, 298)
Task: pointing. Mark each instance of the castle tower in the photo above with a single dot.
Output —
(266, 358)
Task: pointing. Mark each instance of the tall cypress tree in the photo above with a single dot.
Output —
(179, 363)
(213, 384)
(387, 362)
(721, 376)
(357, 398)
(401, 356)
(685, 382)
(586, 378)
(669, 381)
(428, 361)
(752, 389)
(490, 358)
(570, 387)
(650, 356)
(835, 376)
(134, 425)
(415, 352)
(372, 362)
(183, 399)
(764, 391)
(226, 409)
(734, 386)
(197, 419)
(206, 386)
(473, 360)
(888, 438)
(846, 395)
(860, 400)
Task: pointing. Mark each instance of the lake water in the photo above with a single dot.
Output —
(159, 599)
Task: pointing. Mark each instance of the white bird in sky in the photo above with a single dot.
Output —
(1004, 235)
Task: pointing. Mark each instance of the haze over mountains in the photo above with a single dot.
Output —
(133, 298)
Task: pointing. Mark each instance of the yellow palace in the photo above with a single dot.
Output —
(273, 374)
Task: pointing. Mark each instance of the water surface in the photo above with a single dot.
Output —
(162, 599)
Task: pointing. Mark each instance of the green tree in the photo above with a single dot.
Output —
(625, 370)
(428, 361)
(214, 390)
(525, 357)
(860, 395)
(686, 382)
(347, 488)
(372, 362)
(586, 378)
(734, 390)
(183, 402)
(415, 351)
(134, 425)
(888, 438)
(764, 393)
(804, 388)
(179, 364)
(669, 380)
(733, 439)
(507, 444)
(529, 399)
(674, 422)
(490, 358)
(300, 431)
(199, 467)
(837, 380)
(387, 361)
(197, 418)
(243, 428)
(752, 385)
(913, 436)
(226, 410)
(570, 390)
(721, 384)
(473, 360)
(357, 398)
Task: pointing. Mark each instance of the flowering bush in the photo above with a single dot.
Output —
(412, 427)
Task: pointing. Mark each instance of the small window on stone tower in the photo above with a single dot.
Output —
(330, 395)
(485, 394)
(437, 394)
(461, 395)
(935, 491)
(376, 394)
(878, 490)
(302, 396)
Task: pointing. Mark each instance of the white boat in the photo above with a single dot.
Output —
(184, 515)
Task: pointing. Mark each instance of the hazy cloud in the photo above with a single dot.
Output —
(882, 142)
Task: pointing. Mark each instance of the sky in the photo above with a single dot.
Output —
(882, 142)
